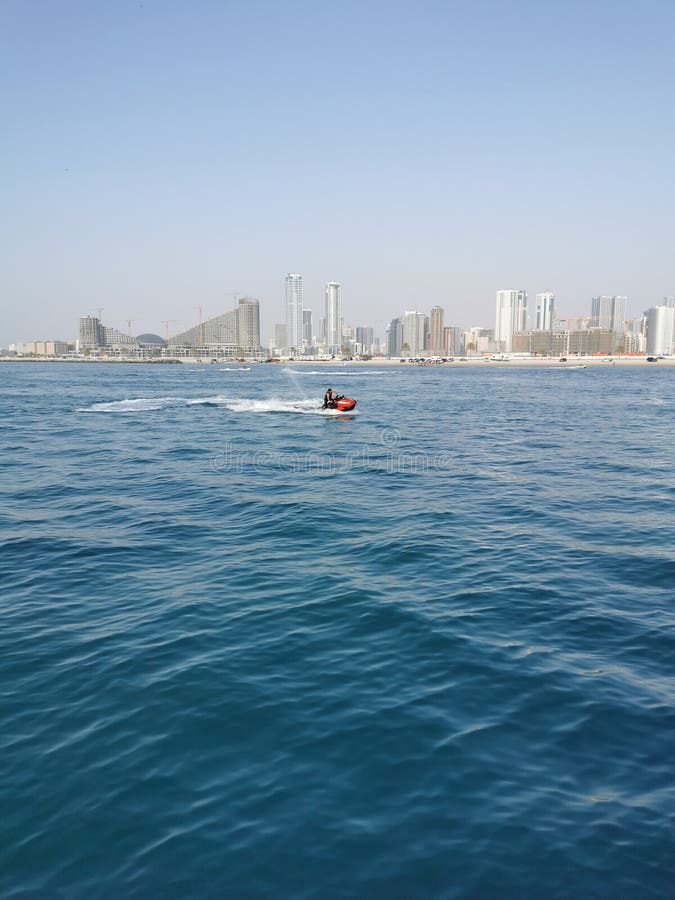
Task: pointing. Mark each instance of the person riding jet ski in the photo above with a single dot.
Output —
(333, 400)
(331, 397)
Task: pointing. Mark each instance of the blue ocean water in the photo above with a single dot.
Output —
(425, 650)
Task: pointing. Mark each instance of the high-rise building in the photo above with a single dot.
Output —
(333, 326)
(545, 311)
(660, 330)
(94, 334)
(669, 301)
(294, 324)
(436, 330)
(366, 337)
(610, 313)
(415, 328)
(307, 335)
(280, 337)
(394, 337)
(452, 341)
(249, 324)
(91, 333)
(510, 317)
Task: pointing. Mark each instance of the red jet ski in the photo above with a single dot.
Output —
(342, 404)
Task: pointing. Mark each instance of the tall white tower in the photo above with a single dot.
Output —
(545, 311)
(294, 327)
(510, 316)
(333, 320)
(414, 331)
(660, 330)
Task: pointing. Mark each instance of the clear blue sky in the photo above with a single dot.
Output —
(159, 155)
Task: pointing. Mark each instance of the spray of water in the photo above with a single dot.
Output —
(299, 387)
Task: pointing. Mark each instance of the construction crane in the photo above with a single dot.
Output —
(99, 310)
(166, 323)
(129, 321)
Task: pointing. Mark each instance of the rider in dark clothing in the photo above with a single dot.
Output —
(329, 399)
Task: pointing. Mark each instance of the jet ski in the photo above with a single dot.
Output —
(342, 404)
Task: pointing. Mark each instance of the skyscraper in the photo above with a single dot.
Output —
(415, 326)
(453, 344)
(91, 333)
(249, 325)
(545, 311)
(394, 337)
(280, 337)
(510, 316)
(436, 329)
(609, 313)
(366, 337)
(333, 320)
(294, 327)
(307, 326)
(660, 330)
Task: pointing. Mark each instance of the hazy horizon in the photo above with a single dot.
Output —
(160, 156)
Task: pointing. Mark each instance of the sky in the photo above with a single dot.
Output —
(158, 155)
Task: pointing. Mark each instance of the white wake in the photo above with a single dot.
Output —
(235, 405)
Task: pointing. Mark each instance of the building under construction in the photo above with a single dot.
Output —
(93, 335)
(231, 334)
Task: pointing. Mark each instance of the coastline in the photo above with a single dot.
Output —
(572, 362)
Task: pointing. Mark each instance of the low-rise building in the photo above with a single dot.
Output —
(584, 342)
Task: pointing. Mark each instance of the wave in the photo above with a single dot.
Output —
(304, 407)
(236, 405)
(235, 369)
(147, 404)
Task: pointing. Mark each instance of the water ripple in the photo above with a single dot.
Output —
(425, 651)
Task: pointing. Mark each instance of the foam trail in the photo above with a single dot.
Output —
(148, 404)
(304, 406)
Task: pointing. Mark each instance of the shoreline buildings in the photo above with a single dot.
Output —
(415, 330)
(660, 330)
(333, 317)
(413, 334)
(545, 311)
(436, 342)
(294, 309)
(510, 317)
(230, 334)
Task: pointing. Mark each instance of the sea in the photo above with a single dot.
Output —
(250, 649)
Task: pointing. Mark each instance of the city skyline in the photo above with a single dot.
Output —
(236, 332)
(146, 171)
(241, 327)
(555, 305)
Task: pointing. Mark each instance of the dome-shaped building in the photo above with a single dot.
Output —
(151, 340)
